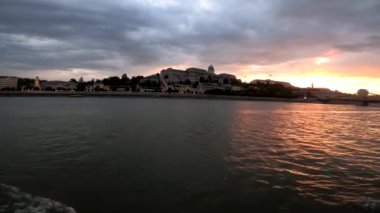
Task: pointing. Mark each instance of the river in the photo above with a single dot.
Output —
(183, 155)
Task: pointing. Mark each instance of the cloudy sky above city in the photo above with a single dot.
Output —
(331, 43)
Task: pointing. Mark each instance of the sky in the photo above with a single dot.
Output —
(328, 43)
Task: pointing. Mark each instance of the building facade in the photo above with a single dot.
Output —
(7, 82)
(195, 80)
(225, 78)
(59, 85)
(37, 83)
(97, 87)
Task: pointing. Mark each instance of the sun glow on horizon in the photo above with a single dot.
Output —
(321, 79)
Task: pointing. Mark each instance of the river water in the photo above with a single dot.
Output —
(174, 155)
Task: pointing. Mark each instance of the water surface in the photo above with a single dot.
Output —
(173, 155)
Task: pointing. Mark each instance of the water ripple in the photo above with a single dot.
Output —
(326, 153)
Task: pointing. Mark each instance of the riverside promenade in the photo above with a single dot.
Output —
(143, 95)
(352, 101)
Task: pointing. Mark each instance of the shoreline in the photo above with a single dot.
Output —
(171, 96)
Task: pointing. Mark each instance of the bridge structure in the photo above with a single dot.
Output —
(372, 98)
(362, 101)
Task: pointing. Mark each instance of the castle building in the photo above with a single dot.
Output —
(179, 76)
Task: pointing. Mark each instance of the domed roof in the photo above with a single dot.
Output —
(211, 69)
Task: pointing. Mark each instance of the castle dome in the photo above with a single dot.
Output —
(211, 69)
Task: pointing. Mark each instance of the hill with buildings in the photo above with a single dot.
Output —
(192, 81)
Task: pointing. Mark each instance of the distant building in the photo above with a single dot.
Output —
(7, 82)
(152, 78)
(37, 83)
(194, 75)
(363, 93)
(173, 76)
(97, 87)
(225, 78)
(194, 80)
(59, 85)
(323, 93)
(211, 69)
(285, 84)
(210, 86)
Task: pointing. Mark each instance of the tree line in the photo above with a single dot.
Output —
(115, 83)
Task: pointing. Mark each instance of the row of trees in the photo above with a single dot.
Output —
(258, 90)
(127, 84)
(114, 82)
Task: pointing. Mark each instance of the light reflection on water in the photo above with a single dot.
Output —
(327, 153)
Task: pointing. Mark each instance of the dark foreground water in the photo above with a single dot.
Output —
(164, 155)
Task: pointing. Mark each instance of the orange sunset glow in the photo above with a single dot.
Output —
(321, 72)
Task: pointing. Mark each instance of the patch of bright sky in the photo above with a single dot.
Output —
(158, 3)
(322, 60)
(32, 41)
(322, 79)
(304, 73)
(206, 4)
(65, 75)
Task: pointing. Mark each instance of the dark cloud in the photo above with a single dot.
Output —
(128, 35)
(371, 43)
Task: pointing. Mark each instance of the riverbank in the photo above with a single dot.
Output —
(167, 95)
(147, 95)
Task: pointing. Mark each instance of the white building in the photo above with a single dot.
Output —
(37, 83)
(8, 82)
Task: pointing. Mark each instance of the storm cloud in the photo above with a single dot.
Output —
(136, 36)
